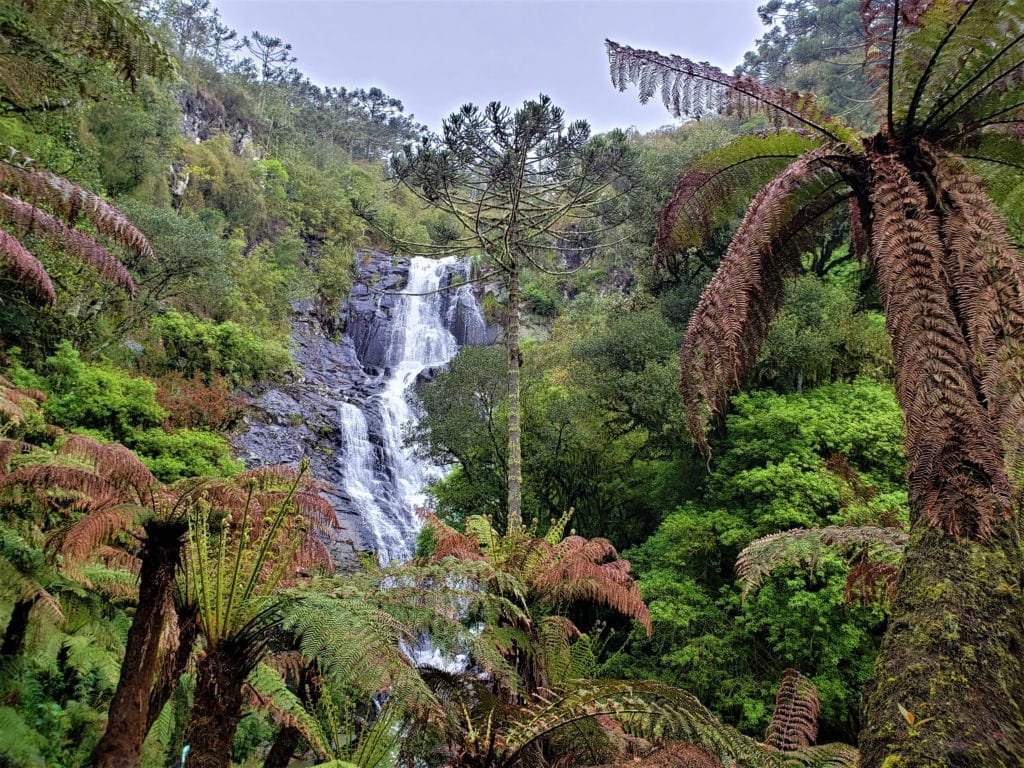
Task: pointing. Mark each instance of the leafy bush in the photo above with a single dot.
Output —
(192, 403)
(95, 396)
(112, 405)
(191, 345)
(832, 455)
(185, 453)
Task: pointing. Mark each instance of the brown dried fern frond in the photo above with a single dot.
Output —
(695, 89)
(871, 582)
(589, 570)
(794, 723)
(25, 268)
(986, 275)
(104, 520)
(113, 462)
(715, 188)
(725, 333)
(803, 547)
(57, 477)
(956, 474)
(9, 449)
(451, 543)
(70, 202)
(31, 220)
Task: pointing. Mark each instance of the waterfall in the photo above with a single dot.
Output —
(350, 405)
(389, 493)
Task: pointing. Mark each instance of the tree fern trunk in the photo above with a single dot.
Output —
(952, 656)
(216, 708)
(515, 440)
(128, 719)
(284, 746)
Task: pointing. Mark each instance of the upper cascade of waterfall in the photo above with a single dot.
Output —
(353, 403)
(420, 340)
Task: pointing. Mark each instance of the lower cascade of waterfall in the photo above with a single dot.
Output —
(352, 405)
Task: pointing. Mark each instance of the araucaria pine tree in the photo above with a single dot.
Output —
(518, 185)
(948, 688)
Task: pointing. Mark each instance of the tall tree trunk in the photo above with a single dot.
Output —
(17, 628)
(953, 656)
(515, 439)
(128, 719)
(216, 707)
(284, 746)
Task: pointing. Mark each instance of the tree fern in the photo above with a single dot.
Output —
(949, 96)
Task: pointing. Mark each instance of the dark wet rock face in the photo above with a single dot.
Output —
(343, 359)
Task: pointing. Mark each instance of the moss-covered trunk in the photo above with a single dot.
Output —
(953, 658)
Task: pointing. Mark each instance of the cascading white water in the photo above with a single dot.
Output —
(387, 481)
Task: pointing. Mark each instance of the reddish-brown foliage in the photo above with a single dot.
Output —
(794, 723)
(195, 403)
(870, 582)
(26, 268)
(673, 755)
(31, 220)
(735, 312)
(694, 89)
(956, 474)
(40, 202)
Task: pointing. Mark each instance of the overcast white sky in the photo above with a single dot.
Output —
(436, 56)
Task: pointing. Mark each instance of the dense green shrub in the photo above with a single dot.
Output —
(114, 406)
(832, 455)
(191, 345)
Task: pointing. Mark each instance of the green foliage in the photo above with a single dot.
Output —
(814, 45)
(97, 397)
(191, 259)
(113, 405)
(778, 467)
(191, 345)
(185, 453)
(133, 134)
(819, 337)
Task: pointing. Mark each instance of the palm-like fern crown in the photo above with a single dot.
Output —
(554, 570)
(949, 80)
(249, 538)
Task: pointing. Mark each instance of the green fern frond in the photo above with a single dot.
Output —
(642, 708)
(19, 743)
(357, 644)
(824, 756)
(803, 547)
(270, 694)
(377, 745)
(959, 69)
(717, 188)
